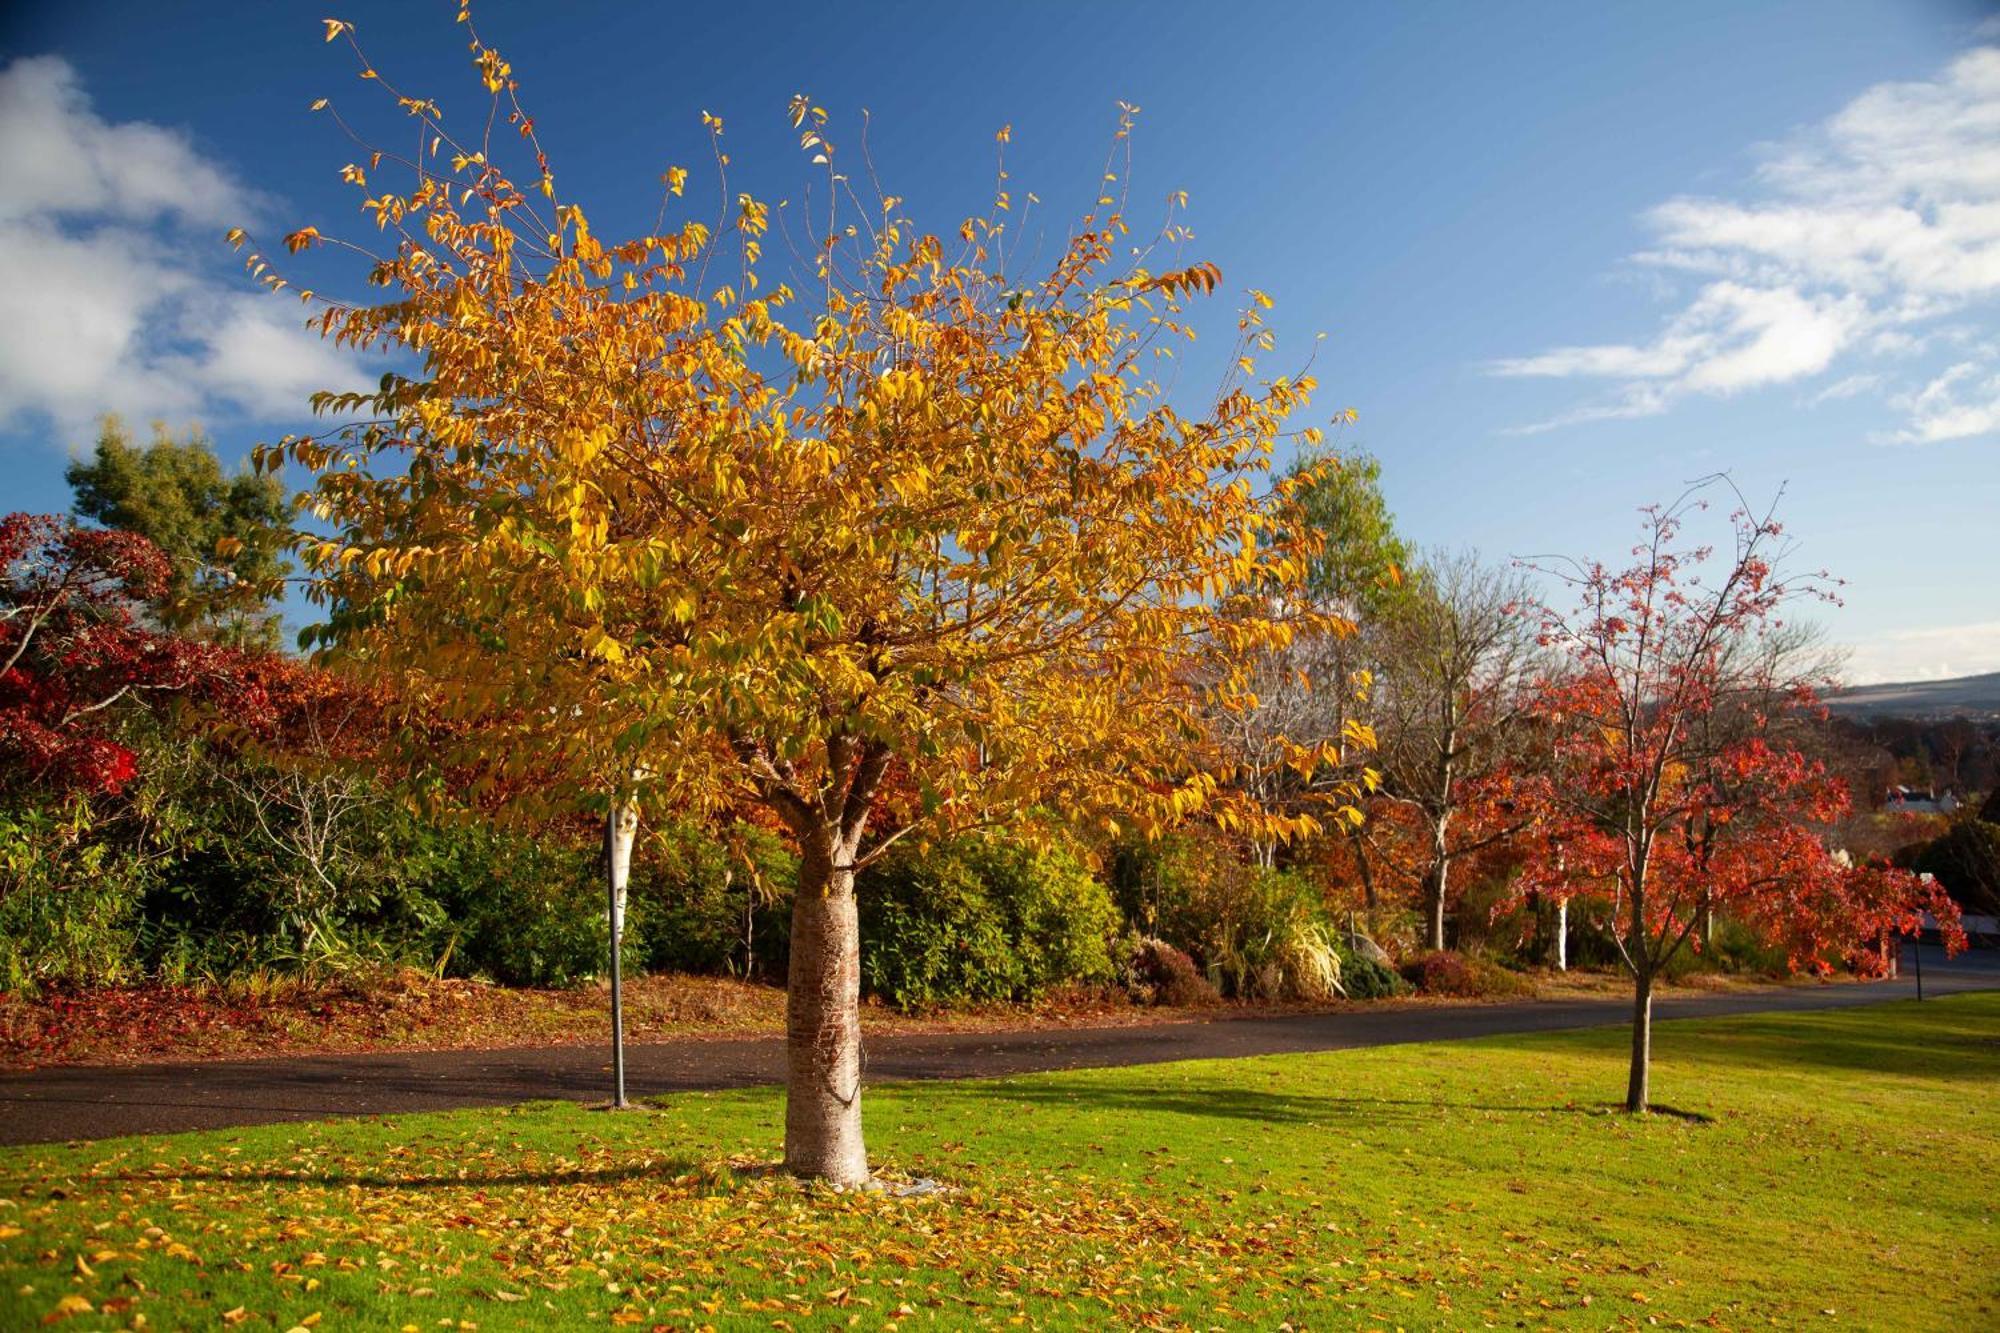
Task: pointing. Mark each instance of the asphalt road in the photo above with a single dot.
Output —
(56, 1104)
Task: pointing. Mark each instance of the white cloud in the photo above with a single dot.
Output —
(1851, 387)
(59, 158)
(1925, 654)
(1861, 236)
(1961, 404)
(115, 289)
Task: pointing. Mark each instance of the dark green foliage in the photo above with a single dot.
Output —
(523, 911)
(1363, 978)
(1059, 917)
(175, 878)
(176, 493)
(1966, 860)
(975, 921)
(710, 904)
(931, 936)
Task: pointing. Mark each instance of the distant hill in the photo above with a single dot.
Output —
(1962, 696)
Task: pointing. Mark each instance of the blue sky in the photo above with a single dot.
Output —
(1567, 256)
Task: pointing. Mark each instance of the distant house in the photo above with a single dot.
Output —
(1920, 801)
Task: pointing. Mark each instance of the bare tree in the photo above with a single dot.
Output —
(305, 794)
(1449, 707)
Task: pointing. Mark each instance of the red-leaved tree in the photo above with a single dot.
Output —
(73, 648)
(1677, 788)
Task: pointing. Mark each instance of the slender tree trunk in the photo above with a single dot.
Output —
(1562, 934)
(823, 1027)
(1367, 879)
(1437, 881)
(1638, 1090)
(621, 830)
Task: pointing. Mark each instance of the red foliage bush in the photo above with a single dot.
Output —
(1447, 972)
(1158, 973)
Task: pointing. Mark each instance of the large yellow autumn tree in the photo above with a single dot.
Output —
(897, 542)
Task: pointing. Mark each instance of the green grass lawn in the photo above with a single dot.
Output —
(1847, 1174)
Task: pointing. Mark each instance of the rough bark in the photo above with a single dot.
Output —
(823, 1029)
(1562, 934)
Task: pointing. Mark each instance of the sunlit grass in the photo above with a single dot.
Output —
(1844, 1175)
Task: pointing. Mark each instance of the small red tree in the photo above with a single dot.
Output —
(72, 648)
(1675, 792)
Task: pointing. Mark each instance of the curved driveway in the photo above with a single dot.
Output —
(83, 1102)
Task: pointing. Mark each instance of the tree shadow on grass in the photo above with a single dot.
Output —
(1943, 1043)
(1249, 1104)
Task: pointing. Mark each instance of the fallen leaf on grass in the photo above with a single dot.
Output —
(71, 1304)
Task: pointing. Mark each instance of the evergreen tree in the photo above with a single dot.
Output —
(175, 493)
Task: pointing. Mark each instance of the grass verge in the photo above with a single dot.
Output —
(1843, 1176)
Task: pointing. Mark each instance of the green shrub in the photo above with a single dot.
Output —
(1734, 949)
(930, 935)
(1059, 916)
(1363, 978)
(1258, 933)
(1266, 937)
(68, 902)
(971, 921)
(1182, 887)
(708, 903)
(522, 911)
(1966, 861)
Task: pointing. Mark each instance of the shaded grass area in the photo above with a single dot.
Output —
(1844, 1176)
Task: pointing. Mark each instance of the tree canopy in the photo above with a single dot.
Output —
(223, 535)
(907, 540)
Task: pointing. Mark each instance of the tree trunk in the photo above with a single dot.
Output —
(1638, 1089)
(1436, 880)
(823, 1028)
(1562, 934)
(1434, 895)
(621, 830)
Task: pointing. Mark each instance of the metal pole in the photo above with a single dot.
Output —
(617, 918)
